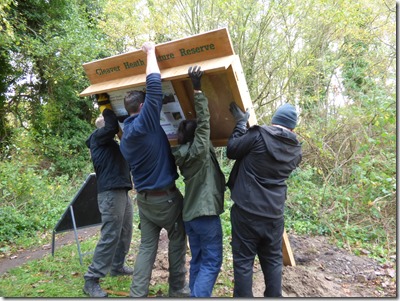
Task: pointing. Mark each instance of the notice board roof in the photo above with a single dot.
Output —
(217, 64)
(212, 49)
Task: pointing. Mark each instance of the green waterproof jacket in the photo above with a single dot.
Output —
(197, 162)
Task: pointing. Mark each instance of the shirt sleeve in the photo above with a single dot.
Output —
(201, 142)
(149, 117)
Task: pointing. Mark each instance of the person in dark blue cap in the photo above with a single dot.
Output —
(265, 157)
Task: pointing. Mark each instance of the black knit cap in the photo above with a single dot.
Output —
(286, 116)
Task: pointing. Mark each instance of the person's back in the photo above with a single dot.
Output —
(145, 145)
(197, 162)
(268, 155)
(146, 148)
(112, 171)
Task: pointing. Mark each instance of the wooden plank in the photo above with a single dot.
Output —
(288, 258)
(243, 90)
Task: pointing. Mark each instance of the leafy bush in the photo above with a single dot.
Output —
(343, 212)
(31, 200)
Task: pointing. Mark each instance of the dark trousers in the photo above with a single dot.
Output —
(256, 235)
(205, 239)
(116, 233)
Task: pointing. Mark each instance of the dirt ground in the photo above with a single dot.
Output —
(321, 270)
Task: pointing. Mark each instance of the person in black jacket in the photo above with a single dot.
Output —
(113, 183)
(265, 157)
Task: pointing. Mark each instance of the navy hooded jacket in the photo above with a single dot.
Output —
(112, 171)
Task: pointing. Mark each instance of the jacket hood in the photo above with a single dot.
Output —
(282, 144)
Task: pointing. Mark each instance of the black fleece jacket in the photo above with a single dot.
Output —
(112, 171)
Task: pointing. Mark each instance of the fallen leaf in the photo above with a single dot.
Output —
(46, 247)
(391, 272)
(117, 293)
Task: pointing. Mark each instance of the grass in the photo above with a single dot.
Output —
(62, 275)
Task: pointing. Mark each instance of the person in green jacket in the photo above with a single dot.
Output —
(204, 193)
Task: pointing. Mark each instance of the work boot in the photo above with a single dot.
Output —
(93, 289)
(182, 293)
(125, 270)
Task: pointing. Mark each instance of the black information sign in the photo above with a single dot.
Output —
(84, 208)
(83, 211)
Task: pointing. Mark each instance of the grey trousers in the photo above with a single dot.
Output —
(116, 233)
(157, 212)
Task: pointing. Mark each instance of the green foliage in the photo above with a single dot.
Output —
(46, 49)
(345, 213)
(5, 128)
(32, 200)
(61, 275)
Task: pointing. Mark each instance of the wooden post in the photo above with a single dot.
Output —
(288, 258)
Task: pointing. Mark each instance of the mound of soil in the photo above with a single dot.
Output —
(322, 270)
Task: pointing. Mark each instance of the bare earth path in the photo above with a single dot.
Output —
(23, 256)
(321, 270)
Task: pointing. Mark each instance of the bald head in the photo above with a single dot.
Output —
(100, 122)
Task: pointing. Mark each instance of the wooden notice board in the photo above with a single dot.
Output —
(223, 81)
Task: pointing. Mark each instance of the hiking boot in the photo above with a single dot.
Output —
(125, 270)
(93, 289)
(182, 293)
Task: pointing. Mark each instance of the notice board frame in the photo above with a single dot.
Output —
(223, 80)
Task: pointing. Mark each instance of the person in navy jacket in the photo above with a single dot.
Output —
(146, 148)
(113, 183)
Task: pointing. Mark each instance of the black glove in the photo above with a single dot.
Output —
(196, 75)
(240, 117)
(109, 117)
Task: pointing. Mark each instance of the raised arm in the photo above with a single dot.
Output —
(152, 66)
(201, 141)
(110, 128)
